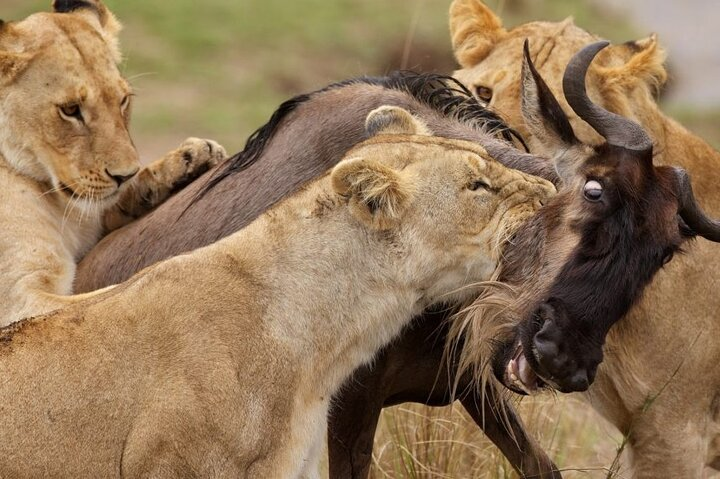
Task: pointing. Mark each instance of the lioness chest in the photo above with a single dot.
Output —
(42, 235)
(33, 213)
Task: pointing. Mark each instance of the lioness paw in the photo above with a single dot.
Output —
(199, 155)
(184, 164)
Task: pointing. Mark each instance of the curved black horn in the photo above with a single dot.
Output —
(617, 130)
(691, 212)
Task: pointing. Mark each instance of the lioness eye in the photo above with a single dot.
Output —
(71, 110)
(125, 103)
(484, 93)
(477, 184)
(593, 190)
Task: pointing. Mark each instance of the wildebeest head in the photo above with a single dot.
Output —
(579, 264)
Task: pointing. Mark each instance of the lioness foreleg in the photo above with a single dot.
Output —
(157, 181)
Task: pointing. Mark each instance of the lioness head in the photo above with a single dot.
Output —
(446, 203)
(623, 79)
(64, 107)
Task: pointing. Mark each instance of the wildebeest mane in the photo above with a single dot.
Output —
(442, 93)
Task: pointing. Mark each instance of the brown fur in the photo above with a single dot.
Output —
(302, 150)
(659, 380)
(158, 377)
(310, 137)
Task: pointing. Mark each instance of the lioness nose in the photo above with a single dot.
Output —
(119, 178)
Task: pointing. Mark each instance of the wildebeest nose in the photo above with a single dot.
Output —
(120, 179)
(545, 347)
(579, 381)
(569, 363)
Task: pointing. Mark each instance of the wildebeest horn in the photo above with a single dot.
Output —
(617, 130)
(691, 212)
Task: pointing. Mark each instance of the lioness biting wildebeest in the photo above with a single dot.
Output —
(222, 362)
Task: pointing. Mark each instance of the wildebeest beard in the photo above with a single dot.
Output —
(566, 278)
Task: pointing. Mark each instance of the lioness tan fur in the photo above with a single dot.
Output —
(659, 382)
(65, 151)
(222, 362)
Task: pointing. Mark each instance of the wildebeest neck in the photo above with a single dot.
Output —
(305, 137)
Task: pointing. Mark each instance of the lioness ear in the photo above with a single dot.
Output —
(474, 30)
(377, 194)
(552, 134)
(393, 120)
(94, 10)
(12, 64)
(96, 7)
(646, 63)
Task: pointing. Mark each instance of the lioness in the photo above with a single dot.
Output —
(68, 168)
(161, 377)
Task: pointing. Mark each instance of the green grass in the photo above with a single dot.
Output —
(591, 16)
(218, 68)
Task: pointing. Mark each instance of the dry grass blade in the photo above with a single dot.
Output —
(415, 441)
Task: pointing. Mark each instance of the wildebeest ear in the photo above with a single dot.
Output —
(474, 30)
(393, 120)
(377, 194)
(552, 134)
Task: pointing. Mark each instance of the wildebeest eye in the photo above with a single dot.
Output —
(477, 184)
(484, 93)
(593, 190)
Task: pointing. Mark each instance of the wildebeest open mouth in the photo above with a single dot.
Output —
(519, 375)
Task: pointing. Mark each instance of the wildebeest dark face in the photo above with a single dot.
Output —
(599, 243)
(579, 265)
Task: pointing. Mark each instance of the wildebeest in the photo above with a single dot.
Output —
(602, 201)
(304, 137)
(659, 382)
(630, 220)
(222, 363)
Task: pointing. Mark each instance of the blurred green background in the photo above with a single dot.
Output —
(218, 68)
